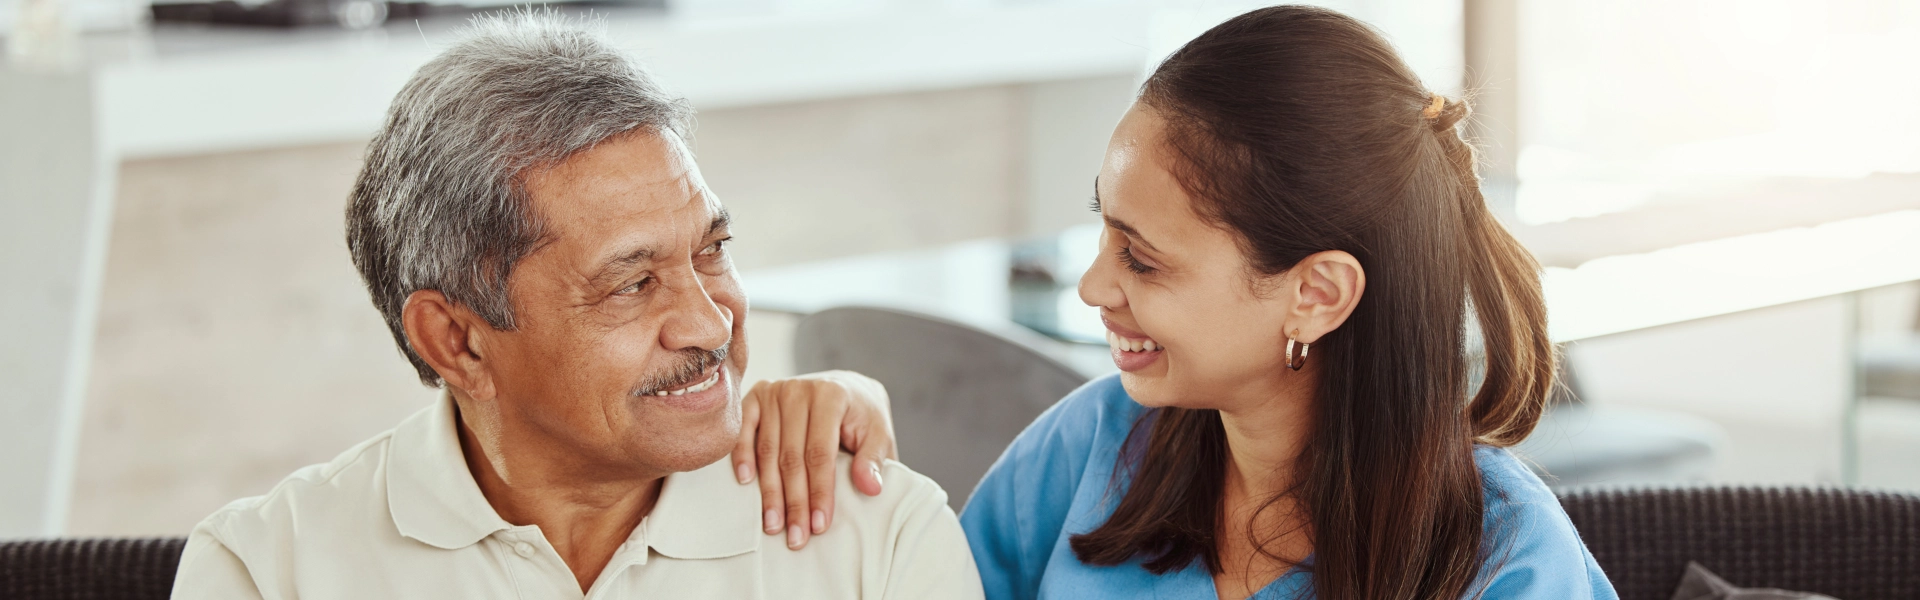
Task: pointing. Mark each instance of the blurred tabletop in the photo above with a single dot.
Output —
(1032, 282)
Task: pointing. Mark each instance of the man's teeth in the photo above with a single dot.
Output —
(695, 388)
(1130, 345)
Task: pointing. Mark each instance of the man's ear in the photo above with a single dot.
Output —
(448, 336)
(1327, 286)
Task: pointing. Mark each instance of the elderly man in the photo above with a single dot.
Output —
(537, 236)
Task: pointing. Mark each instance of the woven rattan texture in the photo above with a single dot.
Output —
(1852, 545)
(89, 569)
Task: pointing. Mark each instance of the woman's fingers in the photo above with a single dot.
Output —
(823, 446)
(792, 431)
(794, 409)
(874, 446)
(867, 432)
(743, 452)
(773, 500)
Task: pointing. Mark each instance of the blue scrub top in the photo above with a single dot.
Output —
(1053, 483)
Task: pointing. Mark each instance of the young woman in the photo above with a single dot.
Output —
(1294, 237)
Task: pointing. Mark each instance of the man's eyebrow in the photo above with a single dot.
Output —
(614, 267)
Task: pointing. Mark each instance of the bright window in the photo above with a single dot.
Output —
(1629, 103)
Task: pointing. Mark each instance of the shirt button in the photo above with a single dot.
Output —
(525, 550)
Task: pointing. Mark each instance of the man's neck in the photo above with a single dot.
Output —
(585, 513)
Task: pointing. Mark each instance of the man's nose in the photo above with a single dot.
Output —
(696, 320)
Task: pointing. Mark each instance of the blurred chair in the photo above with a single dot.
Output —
(1580, 443)
(959, 393)
(1849, 544)
(89, 569)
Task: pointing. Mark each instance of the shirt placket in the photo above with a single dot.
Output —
(537, 569)
(613, 580)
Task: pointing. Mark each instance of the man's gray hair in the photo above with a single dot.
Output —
(440, 203)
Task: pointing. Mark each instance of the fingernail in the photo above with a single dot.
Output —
(744, 473)
(875, 469)
(793, 536)
(819, 521)
(773, 521)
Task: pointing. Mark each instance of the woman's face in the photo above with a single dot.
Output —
(1191, 324)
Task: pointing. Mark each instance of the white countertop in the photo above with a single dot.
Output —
(1634, 291)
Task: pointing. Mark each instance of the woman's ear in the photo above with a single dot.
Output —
(448, 337)
(1326, 287)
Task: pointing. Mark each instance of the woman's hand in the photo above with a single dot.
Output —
(791, 430)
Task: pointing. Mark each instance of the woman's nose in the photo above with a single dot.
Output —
(1098, 286)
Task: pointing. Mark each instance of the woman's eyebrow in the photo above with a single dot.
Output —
(1130, 231)
(1116, 223)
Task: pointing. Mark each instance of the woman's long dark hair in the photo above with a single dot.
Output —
(1300, 130)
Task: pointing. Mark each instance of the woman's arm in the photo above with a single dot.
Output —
(791, 430)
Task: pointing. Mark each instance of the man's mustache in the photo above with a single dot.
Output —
(688, 373)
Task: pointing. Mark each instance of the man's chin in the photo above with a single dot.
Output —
(672, 439)
(689, 444)
(691, 457)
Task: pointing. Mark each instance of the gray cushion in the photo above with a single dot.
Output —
(1701, 584)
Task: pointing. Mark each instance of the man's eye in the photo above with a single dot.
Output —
(716, 247)
(635, 288)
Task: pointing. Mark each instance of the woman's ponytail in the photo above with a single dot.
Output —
(1503, 280)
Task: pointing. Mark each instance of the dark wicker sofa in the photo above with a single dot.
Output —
(1852, 545)
(89, 569)
(1849, 544)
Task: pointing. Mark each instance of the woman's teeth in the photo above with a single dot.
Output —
(1130, 345)
(695, 388)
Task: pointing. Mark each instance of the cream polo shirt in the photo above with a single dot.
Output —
(399, 516)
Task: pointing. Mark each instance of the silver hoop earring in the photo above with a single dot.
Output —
(1303, 352)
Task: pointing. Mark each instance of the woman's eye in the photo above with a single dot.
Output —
(1133, 264)
(635, 287)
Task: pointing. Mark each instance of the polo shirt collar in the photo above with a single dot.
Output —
(432, 494)
(705, 513)
(701, 514)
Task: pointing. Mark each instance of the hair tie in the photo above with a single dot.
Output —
(1433, 110)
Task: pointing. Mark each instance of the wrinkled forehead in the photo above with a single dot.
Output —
(639, 187)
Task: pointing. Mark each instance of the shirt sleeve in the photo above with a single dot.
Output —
(209, 569)
(1018, 511)
(1545, 562)
(1537, 553)
(930, 558)
(1010, 562)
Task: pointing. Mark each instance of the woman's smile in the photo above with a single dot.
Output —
(1132, 350)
